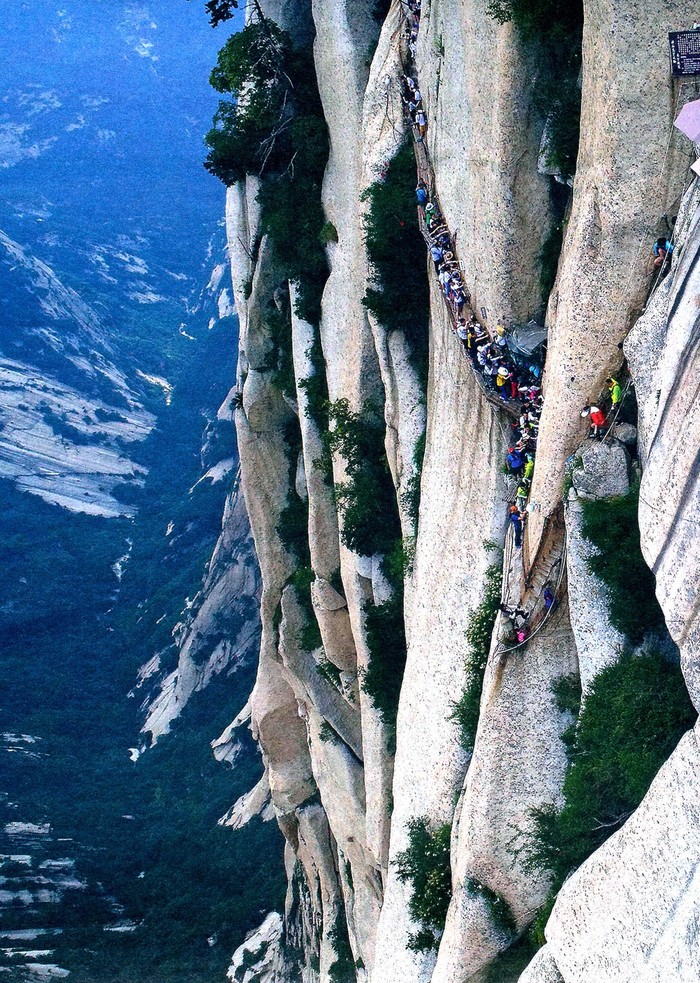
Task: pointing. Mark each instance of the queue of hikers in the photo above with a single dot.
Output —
(490, 357)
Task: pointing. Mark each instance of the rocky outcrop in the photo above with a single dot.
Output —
(343, 801)
(220, 627)
(624, 189)
(662, 351)
(645, 881)
(598, 644)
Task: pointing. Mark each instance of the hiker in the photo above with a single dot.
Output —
(521, 498)
(614, 390)
(514, 460)
(481, 333)
(548, 598)
(521, 634)
(517, 522)
(513, 382)
(430, 214)
(597, 418)
(444, 281)
(463, 334)
(529, 468)
(421, 124)
(471, 340)
(500, 338)
(436, 255)
(515, 614)
(422, 194)
(459, 300)
(502, 377)
(663, 250)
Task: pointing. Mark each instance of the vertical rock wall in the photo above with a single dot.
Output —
(342, 801)
(630, 171)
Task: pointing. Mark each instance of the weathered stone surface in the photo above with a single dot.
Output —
(448, 577)
(484, 147)
(218, 630)
(542, 969)
(669, 437)
(625, 433)
(627, 177)
(630, 913)
(598, 644)
(311, 688)
(326, 597)
(260, 958)
(256, 802)
(603, 470)
(518, 765)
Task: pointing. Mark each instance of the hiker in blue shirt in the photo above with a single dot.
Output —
(422, 194)
(514, 459)
(663, 250)
(517, 521)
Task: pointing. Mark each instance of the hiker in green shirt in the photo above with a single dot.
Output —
(615, 391)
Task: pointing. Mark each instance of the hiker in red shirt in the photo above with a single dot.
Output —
(597, 418)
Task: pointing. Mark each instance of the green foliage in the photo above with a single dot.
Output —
(367, 501)
(293, 525)
(326, 733)
(342, 969)
(330, 672)
(399, 561)
(539, 19)
(633, 717)
(411, 496)
(498, 907)
(398, 296)
(556, 26)
(253, 67)
(386, 639)
(425, 865)
(611, 525)
(292, 213)
(328, 233)
(310, 634)
(316, 388)
(220, 10)
(567, 694)
(280, 360)
(479, 630)
(276, 125)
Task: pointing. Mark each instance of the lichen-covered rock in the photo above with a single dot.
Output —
(484, 148)
(627, 178)
(448, 577)
(630, 913)
(518, 765)
(603, 470)
(598, 644)
(669, 437)
(260, 959)
(542, 969)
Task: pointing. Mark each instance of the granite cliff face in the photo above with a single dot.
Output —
(344, 788)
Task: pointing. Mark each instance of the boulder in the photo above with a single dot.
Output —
(542, 969)
(630, 913)
(625, 433)
(604, 470)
